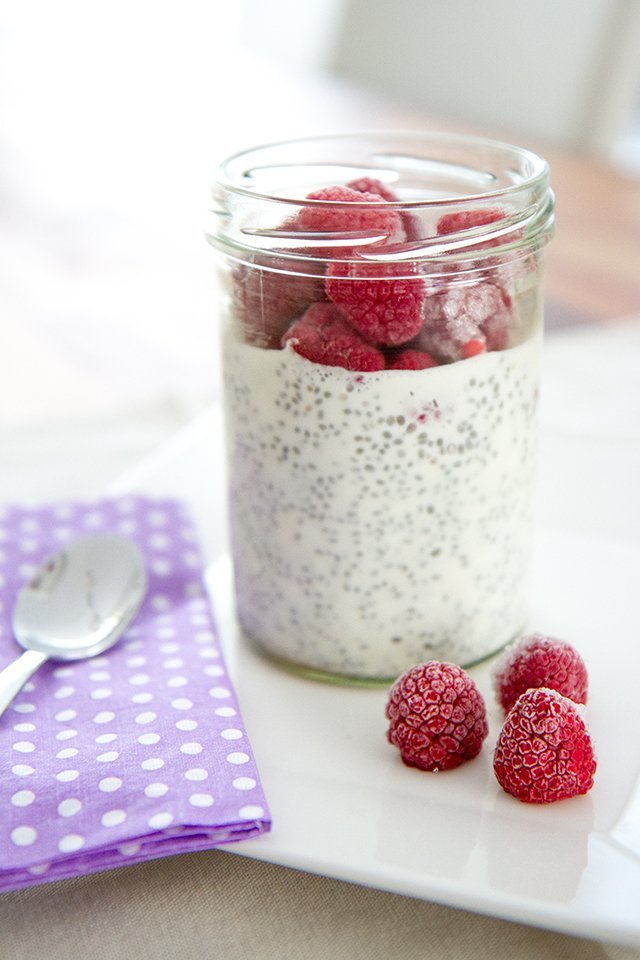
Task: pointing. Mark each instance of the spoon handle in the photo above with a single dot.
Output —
(14, 677)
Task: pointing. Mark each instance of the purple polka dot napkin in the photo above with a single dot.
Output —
(135, 754)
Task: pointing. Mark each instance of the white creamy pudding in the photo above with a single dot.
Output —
(380, 519)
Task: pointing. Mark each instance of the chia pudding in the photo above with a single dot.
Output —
(380, 519)
(380, 355)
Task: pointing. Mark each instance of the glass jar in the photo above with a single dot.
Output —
(380, 348)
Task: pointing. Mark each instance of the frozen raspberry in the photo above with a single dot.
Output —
(323, 336)
(539, 661)
(384, 307)
(265, 302)
(370, 185)
(338, 216)
(544, 752)
(437, 717)
(457, 315)
(472, 348)
(412, 360)
(410, 222)
(466, 219)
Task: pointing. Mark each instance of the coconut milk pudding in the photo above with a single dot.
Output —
(383, 518)
(380, 347)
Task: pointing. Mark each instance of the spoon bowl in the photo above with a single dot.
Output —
(77, 605)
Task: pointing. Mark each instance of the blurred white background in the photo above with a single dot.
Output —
(112, 117)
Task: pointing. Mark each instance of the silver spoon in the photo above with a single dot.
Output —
(76, 605)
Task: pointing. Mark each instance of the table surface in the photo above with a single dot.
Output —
(77, 410)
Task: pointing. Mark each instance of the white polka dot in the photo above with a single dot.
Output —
(153, 763)
(156, 518)
(113, 818)
(160, 820)
(38, 869)
(27, 571)
(65, 715)
(181, 703)
(29, 687)
(24, 727)
(197, 773)
(109, 784)
(177, 682)
(108, 757)
(100, 662)
(244, 783)
(147, 738)
(238, 758)
(24, 707)
(165, 633)
(62, 672)
(105, 716)
(219, 693)
(191, 748)
(156, 789)
(69, 807)
(204, 636)
(231, 734)
(200, 799)
(138, 679)
(66, 776)
(22, 770)
(142, 697)
(161, 567)
(251, 812)
(137, 661)
(214, 670)
(94, 519)
(133, 644)
(186, 724)
(100, 676)
(208, 653)
(23, 836)
(191, 558)
(127, 527)
(70, 843)
(63, 692)
(224, 712)
(159, 541)
(23, 798)
(101, 693)
(66, 734)
(199, 620)
(129, 849)
(147, 717)
(106, 737)
(24, 746)
(160, 602)
(66, 753)
(173, 663)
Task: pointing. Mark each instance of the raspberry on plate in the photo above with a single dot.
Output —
(384, 307)
(323, 336)
(544, 752)
(412, 360)
(437, 716)
(540, 661)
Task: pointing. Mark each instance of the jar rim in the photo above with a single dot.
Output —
(537, 165)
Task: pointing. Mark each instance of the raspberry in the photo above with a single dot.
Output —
(410, 223)
(339, 216)
(437, 716)
(369, 185)
(472, 348)
(323, 336)
(466, 219)
(544, 752)
(384, 307)
(265, 302)
(457, 315)
(412, 360)
(539, 661)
